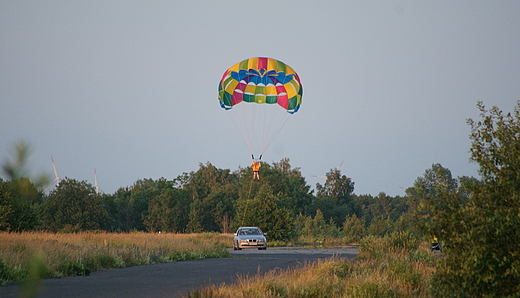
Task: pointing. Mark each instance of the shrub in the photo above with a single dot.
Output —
(5, 273)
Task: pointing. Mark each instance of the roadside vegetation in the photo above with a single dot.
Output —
(67, 254)
(477, 220)
(395, 265)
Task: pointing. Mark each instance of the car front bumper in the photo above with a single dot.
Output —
(251, 244)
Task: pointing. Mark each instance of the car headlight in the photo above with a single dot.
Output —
(261, 240)
(244, 241)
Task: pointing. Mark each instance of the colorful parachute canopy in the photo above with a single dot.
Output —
(263, 81)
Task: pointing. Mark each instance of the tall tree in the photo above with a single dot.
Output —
(337, 186)
(18, 202)
(141, 194)
(196, 215)
(213, 192)
(266, 210)
(334, 197)
(168, 211)
(73, 206)
(298, 192)
(436, 201)
(479, 221)
(21, 195)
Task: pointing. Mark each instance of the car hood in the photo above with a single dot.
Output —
(250, 237)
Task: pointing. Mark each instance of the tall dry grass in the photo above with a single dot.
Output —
(63, 254)
(393, 266)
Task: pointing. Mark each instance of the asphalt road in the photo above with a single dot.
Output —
(177, 279)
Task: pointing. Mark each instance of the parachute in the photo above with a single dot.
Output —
(260, 94)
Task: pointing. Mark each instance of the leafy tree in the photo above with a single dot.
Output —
(18, 202)
(220, 207)
(73, 206)
(266, 211)
(380, 226)
(196, 216)
(330, 209)
(315, 229)
(385, 205)
(436, 201)
(296, 188)
(381, 206)
(110, 222)
(337, 186)
(334, 197)
(167, 211)
(491, 219)
(121, 210)
(19, 197)
(478, 220)
(213, 192)
(141, 194)
(353, 228)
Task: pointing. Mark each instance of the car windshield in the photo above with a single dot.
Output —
(249, 232)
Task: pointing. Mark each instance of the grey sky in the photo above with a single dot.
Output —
(130, 87)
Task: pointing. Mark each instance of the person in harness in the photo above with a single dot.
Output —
(255, 165)
(435, 244)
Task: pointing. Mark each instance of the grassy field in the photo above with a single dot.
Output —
(392, 266)
(34, 255)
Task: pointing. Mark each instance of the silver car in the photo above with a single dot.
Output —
(249, 237)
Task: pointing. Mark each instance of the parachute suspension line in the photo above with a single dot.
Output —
(280, 125)
(258, 125)
(264, 125)
(272, 122)
(237, 125)
(253, 125)
(245, 113)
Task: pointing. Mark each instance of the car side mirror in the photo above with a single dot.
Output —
(235, 234)
(265, 234)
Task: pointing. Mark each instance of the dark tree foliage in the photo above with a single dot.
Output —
(73, 206)
(266, 210)
(492, 213)
(19, 195)
(436, 199)
(166, 209)
(337, 186)
(299, 194)
(121, 210)
(334, 198)
(213, 192)
(477, 220)
(382, 205)
(18, 202)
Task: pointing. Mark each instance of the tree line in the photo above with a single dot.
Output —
(207, 200)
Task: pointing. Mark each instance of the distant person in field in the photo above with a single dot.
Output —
(255, 165)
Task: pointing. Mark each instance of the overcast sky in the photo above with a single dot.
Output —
(129, 88)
